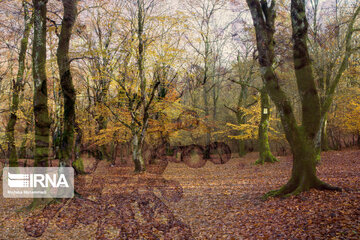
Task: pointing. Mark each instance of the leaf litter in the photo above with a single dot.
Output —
(212, 202)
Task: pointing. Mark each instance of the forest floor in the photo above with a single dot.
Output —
(212, 202)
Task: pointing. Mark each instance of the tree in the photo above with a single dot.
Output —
(100, 57)
(345, 118)
(203, 15)
(140, 101)
(265, 154)
(304, 140)
(245, 75)
(247, 79)
(139, 133)
(327, 44)
(67, 86)
(142, 80)
(17, 88)
(41, 114)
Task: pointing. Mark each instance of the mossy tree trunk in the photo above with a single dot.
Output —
(17, 89)
(78, 164)
(265, 154)
(303, 139)
(22, 150)
(67, 86)
(41, 114)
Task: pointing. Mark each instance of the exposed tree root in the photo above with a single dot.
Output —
(269, 158)
(326, 186)
(292, 189)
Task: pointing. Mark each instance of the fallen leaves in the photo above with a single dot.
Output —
(215, 202)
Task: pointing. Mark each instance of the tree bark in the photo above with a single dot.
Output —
(240, 115)
(207, 115)
(139, 132)
(78, 164)
(18, 86)
(22, 150)
(138, 125)
(137, 153)
(67, 86)
(324, 136)
(265, 154)
(41, 114)
(302, 139)
(241, 143)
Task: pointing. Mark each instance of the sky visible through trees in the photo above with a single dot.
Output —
(167, 108)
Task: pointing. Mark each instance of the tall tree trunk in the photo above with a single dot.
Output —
(100, 100)
(101, 152)
(58, 123)
(241, 143)
(265, 154)
(137, 153)
(22, 150)
(303, 176)
(302, 139)
(78, 164)
(41, 114)
(207, 115)
(240, 115)
(138, 130)
(324, 136)
(18, 86)
(241, 119)
(67, 86)
(215, 93)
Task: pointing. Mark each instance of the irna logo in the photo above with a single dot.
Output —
(36, 180)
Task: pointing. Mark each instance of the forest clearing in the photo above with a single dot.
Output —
(179, 119)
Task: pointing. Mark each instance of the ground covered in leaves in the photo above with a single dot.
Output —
(212, 202)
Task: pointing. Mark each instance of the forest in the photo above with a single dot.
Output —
(187, 119)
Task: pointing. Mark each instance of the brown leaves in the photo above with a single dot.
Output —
(212, 202)
(128, 209)
(36, 225)
(230, 206)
